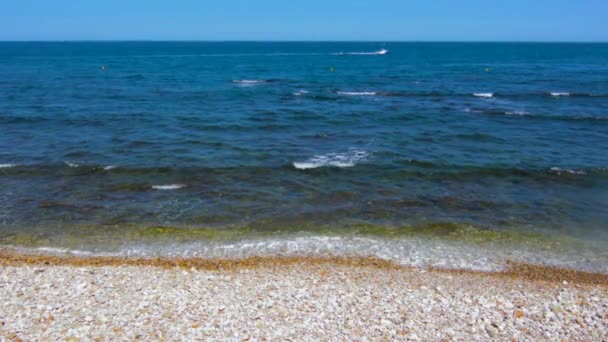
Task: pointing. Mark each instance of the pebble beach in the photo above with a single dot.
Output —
(287, 299)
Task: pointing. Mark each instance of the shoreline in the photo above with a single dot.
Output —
(514, 270)
(292, 298)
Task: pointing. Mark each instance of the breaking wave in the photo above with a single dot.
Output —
(341, 160)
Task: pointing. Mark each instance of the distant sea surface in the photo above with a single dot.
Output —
(443, 154)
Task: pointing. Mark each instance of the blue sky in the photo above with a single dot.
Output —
(384, 20)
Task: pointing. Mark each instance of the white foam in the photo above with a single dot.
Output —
(559, 171)
(300, 92)
(70, 164)
(168, 187)
(483, 94)
(557, 94)
(408, 251)
(56, 250)
(517, 112)
(357, 93)
(7, 166)
(249, 82)
(109, 167)
(372, 53)
(341, 160)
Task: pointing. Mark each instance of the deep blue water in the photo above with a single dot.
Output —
(272, 139)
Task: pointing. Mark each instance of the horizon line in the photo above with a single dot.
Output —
(293, 41)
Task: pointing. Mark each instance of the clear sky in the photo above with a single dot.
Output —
(384, 20)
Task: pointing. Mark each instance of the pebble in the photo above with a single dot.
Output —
(491, 331)
(309, 303)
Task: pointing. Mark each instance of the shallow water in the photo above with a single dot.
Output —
(222, 144)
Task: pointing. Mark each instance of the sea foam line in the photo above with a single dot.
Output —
(487, 95)
(411, 251)
(558, 94)
(7, 166)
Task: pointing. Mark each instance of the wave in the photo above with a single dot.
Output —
(429, 169)
(300, 92)
(527, 95)
(7, 166)
(372, 53)
(63, 251)
(340, 160)
(517, 112)
(70, 164)
(572, 94)
(521, 113)
(437, 245)
(252, 82)
(245, 82)
(109, 167)
(497, 112)
(168, 187)
(357, 93)
(560, 171)
(593, 95)
(142, 178)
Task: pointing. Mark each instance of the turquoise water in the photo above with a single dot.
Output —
(488, 150)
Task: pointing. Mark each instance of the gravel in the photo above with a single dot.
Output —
(293, 302)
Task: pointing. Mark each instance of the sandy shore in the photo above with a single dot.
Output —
(50, 298)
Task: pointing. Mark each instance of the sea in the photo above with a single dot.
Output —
(450, 155)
